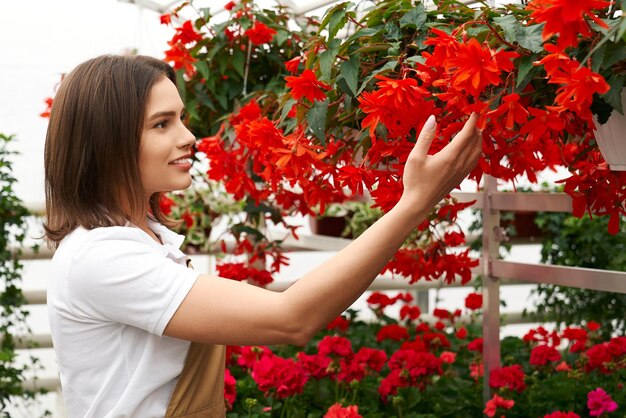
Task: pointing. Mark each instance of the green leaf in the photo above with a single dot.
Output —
(525, 65)
(203, 69)
(597, 59)
(415, 18)
(239, 62)
(393, 31)
(316, 117)
(614, 97)
(281, 37)
(390, 66)
(509, 25)
(335, 19)
(350, 72)
(181, 83)
(286, 109)
(621, 33)
(327, 58)
(529, 37)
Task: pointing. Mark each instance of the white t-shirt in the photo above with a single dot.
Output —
(112, 292)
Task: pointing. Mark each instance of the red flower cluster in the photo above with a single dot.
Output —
(541, 336)
(335, 346)
(178, 54)
(338, 411)
(607, 357)
(510, 377)
(497, 402)
(260, 33)
(282, 376)
(409, 368)
(393, 104)
(307, 85)
(474, 301)
(241, 272)
(542, 354)
(392, 332)
(578, 336)
(566, 18)
(339, 324)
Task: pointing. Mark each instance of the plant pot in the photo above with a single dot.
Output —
(328, 225)
(523, 225)
(611, 138)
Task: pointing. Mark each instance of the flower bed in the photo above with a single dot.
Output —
(410, 368)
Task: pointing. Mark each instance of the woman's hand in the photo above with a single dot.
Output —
(429, 178)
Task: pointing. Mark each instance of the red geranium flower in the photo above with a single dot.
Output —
(372, 358)
(476, 345)
(260, 34)
(166, 204)
(511, 377)
(497, 402)
(447, 357)
(474, 301)
(307, 85)
(337, 346)
(284, 376)
(542, 354)
(315, 365)
(337, 411)
(229, 6)
(461, 333)
(392, 332)
(410, 312)
(340, 323)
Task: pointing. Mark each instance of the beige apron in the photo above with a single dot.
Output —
(199, 392)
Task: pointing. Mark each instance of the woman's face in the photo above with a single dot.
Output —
(165, 148)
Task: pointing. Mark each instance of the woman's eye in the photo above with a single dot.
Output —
(161, 125)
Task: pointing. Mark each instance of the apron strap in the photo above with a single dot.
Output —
(199, 391)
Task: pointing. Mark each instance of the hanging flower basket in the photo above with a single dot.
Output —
(611, 138)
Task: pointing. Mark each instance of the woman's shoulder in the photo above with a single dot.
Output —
(83, 243)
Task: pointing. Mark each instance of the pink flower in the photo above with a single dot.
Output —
(599, 402)
(448, 357)
(563, 367)
(559, 414)
(230, 389)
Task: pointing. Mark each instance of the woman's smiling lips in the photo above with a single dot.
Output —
(184, 162)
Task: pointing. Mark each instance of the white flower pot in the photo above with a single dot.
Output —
(611, 138)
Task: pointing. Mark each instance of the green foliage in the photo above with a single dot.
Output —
(12, 313)
(584, 242)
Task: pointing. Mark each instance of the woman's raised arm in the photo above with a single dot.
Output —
(222, 311)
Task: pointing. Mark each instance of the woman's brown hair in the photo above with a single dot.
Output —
(92, 145)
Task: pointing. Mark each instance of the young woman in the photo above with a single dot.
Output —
(137, 333)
